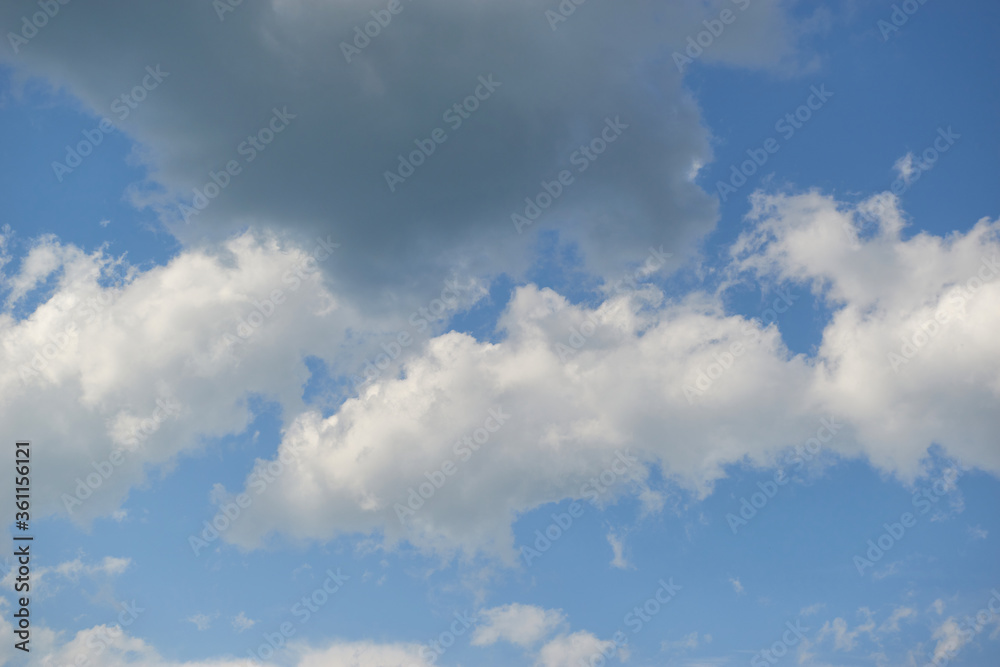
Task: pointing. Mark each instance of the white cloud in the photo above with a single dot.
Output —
(110, 646)
(899, 613)
(812, 609)
(241, 623)
(950, 640)
(875, 298)
(110, 566)
(571, 650)
(618, 547)
(686, 643)
(519, 624)
(906, 168)
(845, 639)
(45, 585)
(737, 586)
(202, 621)
(162, 336)
(978, 532)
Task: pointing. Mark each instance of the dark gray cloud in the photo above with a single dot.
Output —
(324, 173)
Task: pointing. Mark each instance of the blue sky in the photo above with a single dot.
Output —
(714, 429)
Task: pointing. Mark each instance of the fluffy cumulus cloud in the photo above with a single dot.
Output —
(124, 364)
(908, 337)
(569, 650)
(471, 434)
(908, 357)
(516, 623)
(111, 645)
